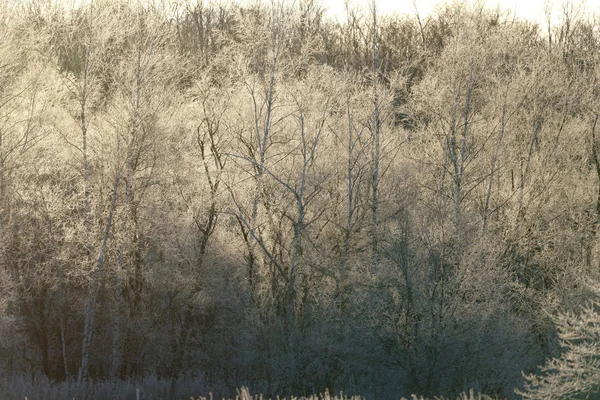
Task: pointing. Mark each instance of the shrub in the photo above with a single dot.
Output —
(576, 373)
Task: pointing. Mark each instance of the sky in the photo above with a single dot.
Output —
(530, 9)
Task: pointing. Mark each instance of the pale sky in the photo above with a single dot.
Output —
(530, 9)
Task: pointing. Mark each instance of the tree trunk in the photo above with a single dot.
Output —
(90, 308)
(494, 161)
(376, 149)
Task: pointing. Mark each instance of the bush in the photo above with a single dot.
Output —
(576, 373)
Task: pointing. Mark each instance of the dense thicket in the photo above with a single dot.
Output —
(259, 195)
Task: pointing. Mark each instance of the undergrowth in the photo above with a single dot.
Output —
(152, 388)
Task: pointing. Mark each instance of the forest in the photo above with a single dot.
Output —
(197, 197)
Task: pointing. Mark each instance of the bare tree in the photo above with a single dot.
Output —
(376, 131)
(90, 308)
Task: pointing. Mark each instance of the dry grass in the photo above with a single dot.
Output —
(152, 388)
(244, 394)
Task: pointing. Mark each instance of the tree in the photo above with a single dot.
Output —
(574, 374)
